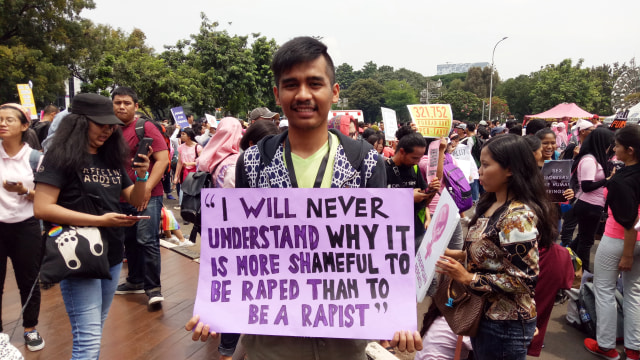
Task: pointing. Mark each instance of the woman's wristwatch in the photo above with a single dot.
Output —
(145, 178)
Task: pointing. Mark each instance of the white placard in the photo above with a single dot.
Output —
(390, 123)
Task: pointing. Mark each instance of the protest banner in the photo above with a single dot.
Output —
(26, 99)
(435, 241)
(390, 123)
(180, 117)
(432, 120)
(307, 262)
(557, 174)
(433, 154)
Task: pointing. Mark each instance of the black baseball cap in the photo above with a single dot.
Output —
(97, 108)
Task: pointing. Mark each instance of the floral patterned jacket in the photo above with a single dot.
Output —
(503, 251)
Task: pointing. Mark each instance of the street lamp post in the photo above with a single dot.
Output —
(491, 81)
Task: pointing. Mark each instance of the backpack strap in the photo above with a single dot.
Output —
(34, 160)
(140, 128)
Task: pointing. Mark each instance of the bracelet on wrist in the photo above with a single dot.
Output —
(25, 194)
(143, 179)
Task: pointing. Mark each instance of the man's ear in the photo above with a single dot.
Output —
(335, 89)
(275, 93)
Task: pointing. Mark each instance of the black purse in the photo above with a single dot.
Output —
(75, 251)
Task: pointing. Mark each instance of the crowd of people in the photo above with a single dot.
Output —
(509, 255)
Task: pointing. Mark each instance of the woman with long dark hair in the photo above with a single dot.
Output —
(188, 152)
(591, 170)
(86, 160)
(619, 252)
(501, 247)
(20, 238)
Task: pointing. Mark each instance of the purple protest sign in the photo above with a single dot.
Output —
(180, 117)
(307, 262)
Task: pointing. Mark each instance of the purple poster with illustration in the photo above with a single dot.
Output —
(307, 262)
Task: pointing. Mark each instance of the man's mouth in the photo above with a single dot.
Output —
(304, 108)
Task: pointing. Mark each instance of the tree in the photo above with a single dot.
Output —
(517, 94)
(464, 105)
(499, 108)
(366, 95)
(397, 95)
(36, 38)
(478, 81)
(345, 76)
(564, 83)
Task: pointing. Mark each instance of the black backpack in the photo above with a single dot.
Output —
(191, 187)
(477, 149)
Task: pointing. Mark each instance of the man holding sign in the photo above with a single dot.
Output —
(307, 156)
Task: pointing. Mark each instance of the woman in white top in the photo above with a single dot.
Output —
(591, 170)
(20, 238)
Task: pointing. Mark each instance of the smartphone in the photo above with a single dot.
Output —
(11, 182)
(143, 148)
(140, 217)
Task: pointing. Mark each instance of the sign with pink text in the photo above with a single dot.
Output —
(435, 241)
(333, 263)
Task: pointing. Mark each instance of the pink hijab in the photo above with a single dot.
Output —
(223, 147)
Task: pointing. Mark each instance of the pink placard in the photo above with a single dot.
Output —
(307, 262)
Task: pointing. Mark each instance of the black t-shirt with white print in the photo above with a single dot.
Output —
(102, 184)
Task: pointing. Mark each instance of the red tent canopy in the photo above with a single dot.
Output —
(564, 111)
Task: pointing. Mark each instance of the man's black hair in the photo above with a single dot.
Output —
(471, 127)
(535, 125)
(403, 130)
(368, 132)
(495, 122)
(300, 50)
(410, 141)
(125, 91)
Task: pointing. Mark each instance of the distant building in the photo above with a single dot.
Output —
(444, 69)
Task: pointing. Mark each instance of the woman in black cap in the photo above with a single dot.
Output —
(87, 157)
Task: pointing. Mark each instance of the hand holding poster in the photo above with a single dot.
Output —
(557, 174)
(432, 166)
(435, 241)
(432, 120)
(390, 123)
(307, 262)
(180, 117)
(211, 120)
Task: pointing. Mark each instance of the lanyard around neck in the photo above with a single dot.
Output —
(292, 171)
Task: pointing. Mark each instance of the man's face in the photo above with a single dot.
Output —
(305, 94)
(125, 108)
(190, 119)
(460, 132)
(412, 158)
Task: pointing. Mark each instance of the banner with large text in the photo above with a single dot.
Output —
(390, 123)
(432, 120)
(307, 262)
(557, 174)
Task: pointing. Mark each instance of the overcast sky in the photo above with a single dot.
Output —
(414, 34)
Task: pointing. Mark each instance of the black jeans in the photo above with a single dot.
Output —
(22, 243)
(588, 216)
(570, 221)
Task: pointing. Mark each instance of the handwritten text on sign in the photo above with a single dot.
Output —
(432, 120)
(307, 262)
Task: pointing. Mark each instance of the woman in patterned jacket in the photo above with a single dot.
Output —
(501, 248)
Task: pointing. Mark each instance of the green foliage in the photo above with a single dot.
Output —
(499, 108)
(397, 95)
(516, 93)
(345, 76)
(464, 105)
(632, 99)
(35, 43)
(479, 81)
(448, 79)
(366, 95)
(564, 82)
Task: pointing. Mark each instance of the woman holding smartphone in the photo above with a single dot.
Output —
(87, 157)
(19, 231)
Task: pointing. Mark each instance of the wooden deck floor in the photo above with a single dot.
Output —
(131, 331)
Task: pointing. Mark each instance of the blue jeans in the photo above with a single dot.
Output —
(475, 189)
(503, 339)
(88, 302)
(142, 245)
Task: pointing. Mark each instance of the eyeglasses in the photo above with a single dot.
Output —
(9, 121)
